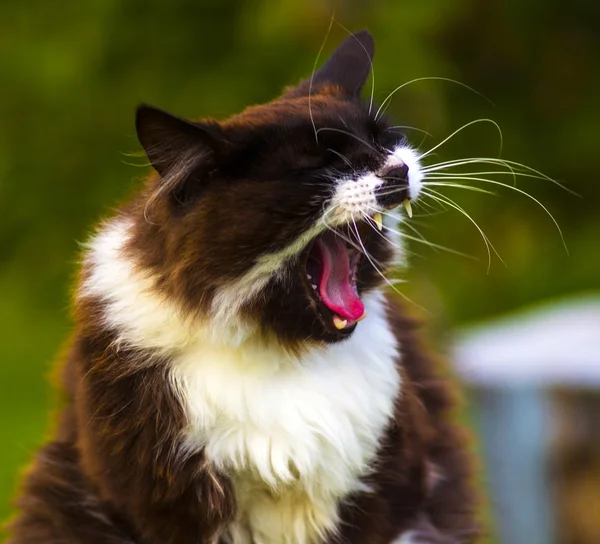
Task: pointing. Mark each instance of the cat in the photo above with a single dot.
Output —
(237, 373)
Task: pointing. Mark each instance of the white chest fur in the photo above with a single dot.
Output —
(295, 436)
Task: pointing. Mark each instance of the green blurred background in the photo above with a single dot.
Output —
(72, 74)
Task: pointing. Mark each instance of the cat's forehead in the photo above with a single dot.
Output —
(295, 133)
(319, 112)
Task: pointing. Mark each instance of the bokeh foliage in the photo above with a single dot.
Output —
(73, 72)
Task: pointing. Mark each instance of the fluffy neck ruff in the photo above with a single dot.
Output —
(296, 433)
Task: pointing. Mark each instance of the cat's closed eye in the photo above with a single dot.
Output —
(389, 138)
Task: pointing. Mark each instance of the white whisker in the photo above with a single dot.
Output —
(489, 246)
(368, 256)
(458, 186)
(352, 136)
(465, 126)
(420, 238)
(410, 128)
(342, 156)
(511, 165)
(461, 162)
(369, 220)
(512, 188)
(433, 78)
(345, 238)
(312, 76)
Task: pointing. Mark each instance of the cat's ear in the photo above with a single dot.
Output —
(172, 143)
(348, 67)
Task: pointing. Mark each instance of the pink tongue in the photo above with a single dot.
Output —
(335, 288)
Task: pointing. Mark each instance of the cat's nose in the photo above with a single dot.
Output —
(394, 187)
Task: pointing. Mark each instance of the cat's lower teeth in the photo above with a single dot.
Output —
(339, 323)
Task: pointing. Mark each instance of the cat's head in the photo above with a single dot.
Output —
(273, 216)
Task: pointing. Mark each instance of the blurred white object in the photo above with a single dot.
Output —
(555, 343)
(512, 363)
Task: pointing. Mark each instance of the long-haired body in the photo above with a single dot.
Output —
(236, 373)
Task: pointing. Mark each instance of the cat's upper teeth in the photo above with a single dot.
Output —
(407, 207)
(378, 220)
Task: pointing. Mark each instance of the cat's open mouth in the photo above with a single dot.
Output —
(331, 273)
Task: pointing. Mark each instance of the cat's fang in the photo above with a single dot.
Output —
(339, 323)
(407, 207)
(378, 220)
